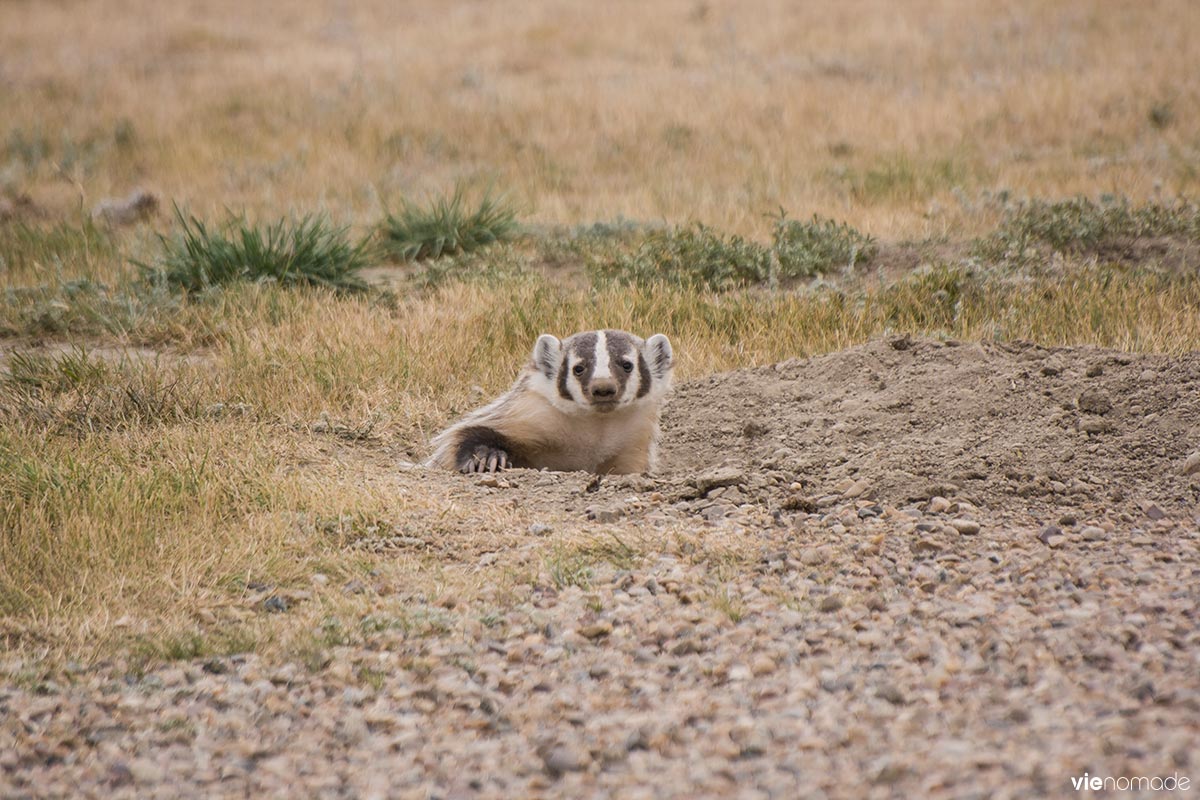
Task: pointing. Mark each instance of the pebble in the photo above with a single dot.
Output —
(763, 665)
(966, 527)
(830, 603)
(719, 477)
(1152, 511)
(596, 630)
(539, 529)
(275, 604)
(605, 515)
(1051, 536)
(1093, 533)
(1192, 465)
(562, 758)
(938, 505)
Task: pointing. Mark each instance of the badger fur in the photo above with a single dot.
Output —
(590, 402)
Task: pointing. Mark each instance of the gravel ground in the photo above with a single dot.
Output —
(794, 617)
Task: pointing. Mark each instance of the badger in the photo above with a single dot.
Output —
(589, 402)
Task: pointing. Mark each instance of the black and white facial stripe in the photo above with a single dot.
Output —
(603, 369)
(598, 368)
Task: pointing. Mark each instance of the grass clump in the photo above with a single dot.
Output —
(309, 251)
(695, 257)
(805, 249)
(1081, 226)
(447, 227)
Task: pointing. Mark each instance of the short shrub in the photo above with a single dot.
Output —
(696, 256)
(805, 249)
(1081, 226)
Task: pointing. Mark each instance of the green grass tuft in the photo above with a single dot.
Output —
(447, 227)
(305, 252)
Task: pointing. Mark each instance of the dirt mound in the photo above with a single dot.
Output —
(995, 424)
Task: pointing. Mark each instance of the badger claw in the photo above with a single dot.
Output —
(484, 459)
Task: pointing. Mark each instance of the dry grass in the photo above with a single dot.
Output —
(255, 436)
(878, 113)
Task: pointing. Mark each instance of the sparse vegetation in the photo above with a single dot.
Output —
(697, 257)
(804, 249)
(448, 226)
(1083, 226)
(309, 251)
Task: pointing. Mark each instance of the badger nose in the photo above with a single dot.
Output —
(604, 390)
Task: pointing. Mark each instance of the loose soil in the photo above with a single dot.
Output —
(909, 569)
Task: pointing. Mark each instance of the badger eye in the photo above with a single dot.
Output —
(578, 370)
(627, 366)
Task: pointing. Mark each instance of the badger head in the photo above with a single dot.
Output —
(602, 371)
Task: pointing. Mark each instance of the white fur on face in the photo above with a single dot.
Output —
(602, 368)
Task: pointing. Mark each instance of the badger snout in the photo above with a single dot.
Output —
(603, 392)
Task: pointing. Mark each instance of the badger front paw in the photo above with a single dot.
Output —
(484, 458)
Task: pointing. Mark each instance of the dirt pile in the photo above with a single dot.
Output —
(998, 425)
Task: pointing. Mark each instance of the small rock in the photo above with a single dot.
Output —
(857, 489)
(922, 546)
(762, 665)
(1192, 465)
(1051, 536)
(1152, 511)
(562, 758)
(966, 527)
(719, 477)
(876, 603)
(1094, 533)
(892, 694)
(938, 505)
(596, 629)
(275, 604)
(830, 603)
(605, 515)
(539, 529)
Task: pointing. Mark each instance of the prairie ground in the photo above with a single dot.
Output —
(926, 522)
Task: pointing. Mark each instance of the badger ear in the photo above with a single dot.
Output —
(659, 355)
(546, 355)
